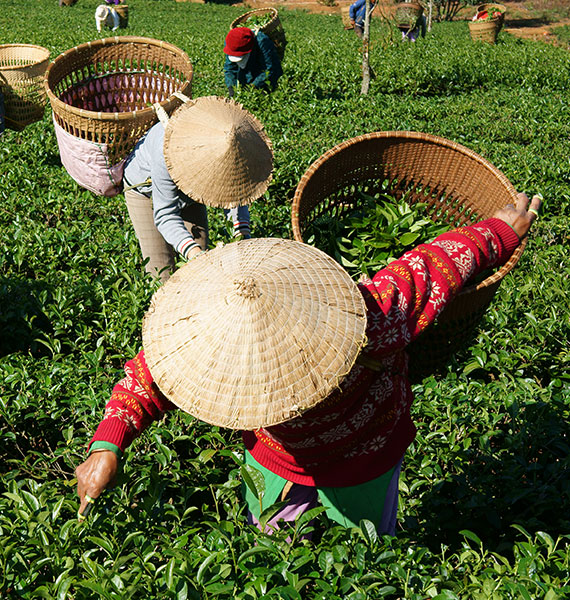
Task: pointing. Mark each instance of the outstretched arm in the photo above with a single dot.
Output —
(134, 404)
(273, 69)
(410, 293)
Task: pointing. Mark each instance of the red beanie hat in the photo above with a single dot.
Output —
(239, 41)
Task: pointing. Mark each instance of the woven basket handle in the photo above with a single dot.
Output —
(161, 113)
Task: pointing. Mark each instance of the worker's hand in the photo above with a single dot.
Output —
(95, 475)
(194, 252)
(521, 216)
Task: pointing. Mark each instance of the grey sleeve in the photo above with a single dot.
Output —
(167, 199)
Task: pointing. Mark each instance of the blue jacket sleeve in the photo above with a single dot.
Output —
(230, 73)
(354, 8)
(273, 68)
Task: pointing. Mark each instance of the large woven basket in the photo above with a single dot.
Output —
(22, 69)
(273, 29)
(407, 14)
(500, 7)
(484, 31)
(460, 188)
(103, 91)
(345, 16)
(123, 12)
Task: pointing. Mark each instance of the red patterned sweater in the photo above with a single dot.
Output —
(362, 429)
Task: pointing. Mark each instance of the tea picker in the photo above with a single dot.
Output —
(107, 16)
(251, 59)
(272, 337)
(411, 20)
(357, 13)
(211, 152)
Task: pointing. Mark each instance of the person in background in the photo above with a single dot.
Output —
(357, 13)
(107, 16)
(211, 152)
(323, 402)
(411, 34)
(251, 59)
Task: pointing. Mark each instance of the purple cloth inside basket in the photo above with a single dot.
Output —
(118, 93)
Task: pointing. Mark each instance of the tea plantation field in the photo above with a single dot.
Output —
(484, 498)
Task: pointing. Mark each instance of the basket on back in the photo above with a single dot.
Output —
(459, 186)
(123, 12)
(272, 26)
(407, 14)
(495, 8)
(22, 69)
(102, 95)
(484, 31)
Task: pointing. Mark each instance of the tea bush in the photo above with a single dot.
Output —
(484, 490)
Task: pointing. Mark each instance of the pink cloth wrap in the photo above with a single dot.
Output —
(88, 164)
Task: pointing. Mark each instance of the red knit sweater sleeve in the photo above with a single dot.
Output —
(406, 296)
(135, 403)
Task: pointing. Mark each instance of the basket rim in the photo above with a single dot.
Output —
(494, 278)
(38, 61)
(111, 116)
(484, 24)
(266, 9)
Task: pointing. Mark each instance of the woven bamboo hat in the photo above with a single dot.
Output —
(254, 333)
(217, 152)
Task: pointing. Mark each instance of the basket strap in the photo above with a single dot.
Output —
(160, 113)
(181, 96)
(147, 181)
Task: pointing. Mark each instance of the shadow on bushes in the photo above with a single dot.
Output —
(521, 478)
(518, 23)
(226, 2)
(22, 320)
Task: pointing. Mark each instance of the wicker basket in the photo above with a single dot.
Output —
(407, 14)
(274, 29)
(123, 12)
(460, 188)
(22, 68)
(345, 16)
(500, 7)
(103, 91)
(484, 31)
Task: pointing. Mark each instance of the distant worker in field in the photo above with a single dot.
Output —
(211, 152)
(272, 337)
(357, 13)
(411, 34)
(106, 16)
(251, 59)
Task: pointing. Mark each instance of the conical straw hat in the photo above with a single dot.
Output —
(254, 333)
(217, 152)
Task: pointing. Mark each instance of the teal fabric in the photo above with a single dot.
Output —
(106, 446)
(345, 505)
